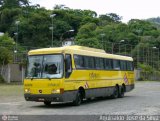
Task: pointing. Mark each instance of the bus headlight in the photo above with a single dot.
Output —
(61, 91)
(27, 90)
(56, 91)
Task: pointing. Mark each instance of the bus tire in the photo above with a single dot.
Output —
(115, 93)
(88, 99)
(78, 99)
(47, 103)
(121, 92)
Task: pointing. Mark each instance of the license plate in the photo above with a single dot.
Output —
(40, 99)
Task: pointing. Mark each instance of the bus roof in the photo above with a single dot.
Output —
(80, 50)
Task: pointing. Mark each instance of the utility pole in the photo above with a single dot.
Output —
(103, 44)
(16, 43)
(52, 16)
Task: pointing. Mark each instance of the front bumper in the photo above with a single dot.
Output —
(65, 97)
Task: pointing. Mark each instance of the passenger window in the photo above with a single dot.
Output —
(108, 64)
(79, 63)
(129, 66)
(99, 63)
(86, 62)
(116, 65)
(89, 62)
(123, 65)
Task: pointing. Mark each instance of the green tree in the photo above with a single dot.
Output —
(13, 3)
(6, 49)
(8, 17)
(86, 31)
(5, 56)
(139, 27)
(7, 42)
(89, 42)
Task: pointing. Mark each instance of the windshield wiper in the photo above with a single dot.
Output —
(49, 78)
(32, 78)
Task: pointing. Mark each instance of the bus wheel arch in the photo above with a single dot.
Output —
(80, 95)
(82, 92)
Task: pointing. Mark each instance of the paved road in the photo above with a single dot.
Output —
(143, 100)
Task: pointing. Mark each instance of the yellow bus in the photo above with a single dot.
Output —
(74, 73)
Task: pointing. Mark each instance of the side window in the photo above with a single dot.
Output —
(90, 62)
(132, 66)
(79, 62)
(116, 64)
(123, 65)
(82, 62)
(99, 63)
(86, 62)
(129, 66)
(108, 64)
(68, 65)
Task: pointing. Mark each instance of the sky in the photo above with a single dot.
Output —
(128, 9)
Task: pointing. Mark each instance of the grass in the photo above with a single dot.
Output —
(11, 90)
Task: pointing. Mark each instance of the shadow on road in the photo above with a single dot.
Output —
(85, 102)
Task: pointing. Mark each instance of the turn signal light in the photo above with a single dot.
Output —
(61, 90)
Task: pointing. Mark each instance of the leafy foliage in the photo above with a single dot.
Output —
(89, 29)
(6, 49)
(145, 67)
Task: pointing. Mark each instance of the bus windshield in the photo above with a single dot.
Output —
(45, 66)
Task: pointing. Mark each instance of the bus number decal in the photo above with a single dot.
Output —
(93, 75)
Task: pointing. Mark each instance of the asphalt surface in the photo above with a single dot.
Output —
(143, 100)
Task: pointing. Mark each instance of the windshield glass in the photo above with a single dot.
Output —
(45, 66)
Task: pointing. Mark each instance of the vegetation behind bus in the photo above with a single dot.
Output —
(103, 31)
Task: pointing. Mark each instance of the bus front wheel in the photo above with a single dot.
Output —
(47, 103)
(78, 99)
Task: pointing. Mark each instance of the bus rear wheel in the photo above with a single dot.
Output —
(47, 103)
(78, 99)
(121, 93)
(115, 93)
